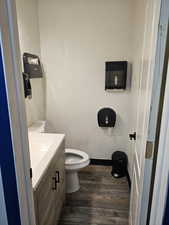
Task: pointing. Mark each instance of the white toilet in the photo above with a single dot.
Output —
(74, 160)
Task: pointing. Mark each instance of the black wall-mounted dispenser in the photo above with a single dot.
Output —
(27, 86)
(32, 65)
(106, 117)
(116, 75)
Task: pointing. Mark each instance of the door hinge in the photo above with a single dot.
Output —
(162, 29)
(31, 173)
(149, 150)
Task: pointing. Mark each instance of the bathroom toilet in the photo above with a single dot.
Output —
(74, 160)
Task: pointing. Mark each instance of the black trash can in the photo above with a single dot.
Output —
(119, 164)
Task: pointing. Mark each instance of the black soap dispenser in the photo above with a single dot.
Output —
(106, 117)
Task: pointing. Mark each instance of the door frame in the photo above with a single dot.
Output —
(12, 64)
(15, 95)
(162, 167)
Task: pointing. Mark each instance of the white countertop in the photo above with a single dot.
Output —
(43, 147)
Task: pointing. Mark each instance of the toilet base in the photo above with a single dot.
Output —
(72, 181)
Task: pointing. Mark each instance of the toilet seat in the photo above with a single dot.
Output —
(76, 156)
(75, 159)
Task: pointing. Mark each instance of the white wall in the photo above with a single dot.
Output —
(27, 12)
(77, 37)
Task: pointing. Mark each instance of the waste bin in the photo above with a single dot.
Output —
(119, 164)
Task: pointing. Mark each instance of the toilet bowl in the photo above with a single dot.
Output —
(74, 160)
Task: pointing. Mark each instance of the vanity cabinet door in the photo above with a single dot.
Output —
(50, 193)
(60, 173)
(58, 164)
(46, 199)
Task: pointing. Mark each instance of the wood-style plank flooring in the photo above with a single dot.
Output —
(101, 200)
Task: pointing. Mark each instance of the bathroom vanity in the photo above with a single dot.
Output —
(47, 160)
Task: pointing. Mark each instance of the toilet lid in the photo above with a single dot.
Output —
(74, 156)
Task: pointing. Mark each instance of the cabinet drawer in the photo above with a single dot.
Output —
(60, 169)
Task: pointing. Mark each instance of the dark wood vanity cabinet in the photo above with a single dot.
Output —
(49, 195)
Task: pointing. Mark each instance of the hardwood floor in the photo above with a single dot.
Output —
(101, 200)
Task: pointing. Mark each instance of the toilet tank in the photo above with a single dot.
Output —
(39, 126)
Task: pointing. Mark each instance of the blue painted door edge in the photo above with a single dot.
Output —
(6, 155)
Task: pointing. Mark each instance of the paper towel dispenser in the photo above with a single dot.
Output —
(32, 65)
(116, 75)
